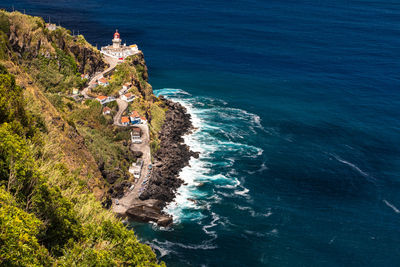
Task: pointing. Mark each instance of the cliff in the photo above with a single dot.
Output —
(50, 180)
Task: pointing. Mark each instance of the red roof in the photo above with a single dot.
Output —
(128, 95)
(103, 80)
(106, 109)
(101, 97)
(124, 119)
(116, 35)
(143, 118)
(135, 114)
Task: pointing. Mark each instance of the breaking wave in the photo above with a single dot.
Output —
(220, 135)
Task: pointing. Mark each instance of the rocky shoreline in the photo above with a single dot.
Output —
(172, 156)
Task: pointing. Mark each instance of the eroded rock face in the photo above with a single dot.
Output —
(172, 155)
(118, 190)
(30, 45)
(90, 61)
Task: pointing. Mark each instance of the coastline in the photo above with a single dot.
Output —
(169, 160)
(172, 156)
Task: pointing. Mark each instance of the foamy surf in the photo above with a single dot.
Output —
(220, 136)
(390, 205)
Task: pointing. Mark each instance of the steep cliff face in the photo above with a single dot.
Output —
(141, 77)
(27, 46)
(29, 38)
(89, 60)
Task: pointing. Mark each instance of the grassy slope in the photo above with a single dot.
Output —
(65, 164)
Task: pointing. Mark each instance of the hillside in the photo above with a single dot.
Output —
(57, 156)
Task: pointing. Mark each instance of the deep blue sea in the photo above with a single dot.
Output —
(297, 110)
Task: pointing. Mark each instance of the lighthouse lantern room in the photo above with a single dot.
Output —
(117, 40)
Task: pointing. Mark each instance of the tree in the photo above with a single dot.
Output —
(19, 245)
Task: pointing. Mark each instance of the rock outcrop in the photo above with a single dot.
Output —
(90, 60)
(149, 211)
(172, 156)
(29, 39)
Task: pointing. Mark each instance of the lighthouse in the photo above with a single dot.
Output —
(117, 50)
(117, 40)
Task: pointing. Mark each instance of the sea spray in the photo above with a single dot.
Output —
(220, 134)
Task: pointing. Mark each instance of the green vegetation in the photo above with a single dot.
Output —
(49, 215)
(58, 73)
(107, 143)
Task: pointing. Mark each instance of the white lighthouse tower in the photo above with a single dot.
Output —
(117, 40)
(117, 50)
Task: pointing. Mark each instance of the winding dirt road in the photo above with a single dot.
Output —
(112, 62)
(122, 105)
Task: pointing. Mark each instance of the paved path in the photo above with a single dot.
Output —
(122, 105)
(112, 62)
(130, 196)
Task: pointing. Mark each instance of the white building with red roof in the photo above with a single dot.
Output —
(124, 120)
(106, 111)
(134, 117)
(143, 120)
(102, 99)
(103, 81)
(119, 50)
(128, 97)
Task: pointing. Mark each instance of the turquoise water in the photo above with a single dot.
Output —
(296, 105)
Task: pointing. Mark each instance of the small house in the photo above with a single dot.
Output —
(124, 120)
(136, 168)
(84, 76)
(143, 120)
(128, 97)
(126, 86)
(103, 81)
(106, 111)
(75, 91)
(134, 117)
(134, 48)
(122, 91)
(51, 27)
(136, 134)
(102, 99)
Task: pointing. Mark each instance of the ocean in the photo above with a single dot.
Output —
(296, 109)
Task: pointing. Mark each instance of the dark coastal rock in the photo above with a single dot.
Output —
(172, 156)
(148, 211)
(165, 221)
(111, 176)
(118, 190)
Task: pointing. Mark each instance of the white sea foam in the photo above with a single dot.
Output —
(390, 205)
(243, 192)
(253, 213)
(354, 167)
(168, 245)
(220, 136)
(213, 223)
(163, 251)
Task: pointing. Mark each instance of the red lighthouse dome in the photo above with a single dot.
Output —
(116, 35)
